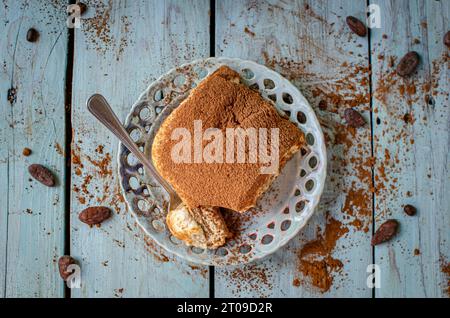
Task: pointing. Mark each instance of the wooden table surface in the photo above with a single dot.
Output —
(400, 157)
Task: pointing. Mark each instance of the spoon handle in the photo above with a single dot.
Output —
(99, 107)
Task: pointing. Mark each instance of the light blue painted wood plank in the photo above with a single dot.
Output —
(32, 215)
(120, 49)
(413, 156)
(309, 43)
(5, 130)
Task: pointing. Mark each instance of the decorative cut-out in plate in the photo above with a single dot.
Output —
(281, 212)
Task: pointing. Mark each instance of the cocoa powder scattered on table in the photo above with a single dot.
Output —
(316, 262)
(445, 268)
(253, 277)
(249, 32)
(155, 250)
(59, 149)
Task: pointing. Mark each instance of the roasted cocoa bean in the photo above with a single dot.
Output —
(410, 210)
(32, 35)
(385, 232)
(447, 39)
(354, 118)
(42, 174)
(63, 263)
(408, 64)
(83, 7)
(94, 215)
(356, 26)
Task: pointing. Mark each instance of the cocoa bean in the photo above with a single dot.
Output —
(353, 118)
(63, 263)
(42, 174)
(32, 35)
(385, 232)
(408, 64)
(356, 26)
(94, 215)
(410, 210)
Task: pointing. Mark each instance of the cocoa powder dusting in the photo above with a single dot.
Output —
(98, 29)
(445, 268)
(404, 102)
(102, 165)
(356, 205)
(349, 180)
(400, 100)
(98, 33)
(155, 250)
(76, 158)
(255, 278)
(105, 190)
(315, 260)
(59, 149)
(249, 32)
(346, 87)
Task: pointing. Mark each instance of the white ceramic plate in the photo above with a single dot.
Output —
(282, 211)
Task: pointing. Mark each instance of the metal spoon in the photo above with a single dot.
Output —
(99, 107)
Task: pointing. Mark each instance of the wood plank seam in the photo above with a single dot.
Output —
(369, 47)
(68, 142)
(212, 53)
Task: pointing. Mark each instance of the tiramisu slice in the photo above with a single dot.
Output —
(222, 103)
(201, 227)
